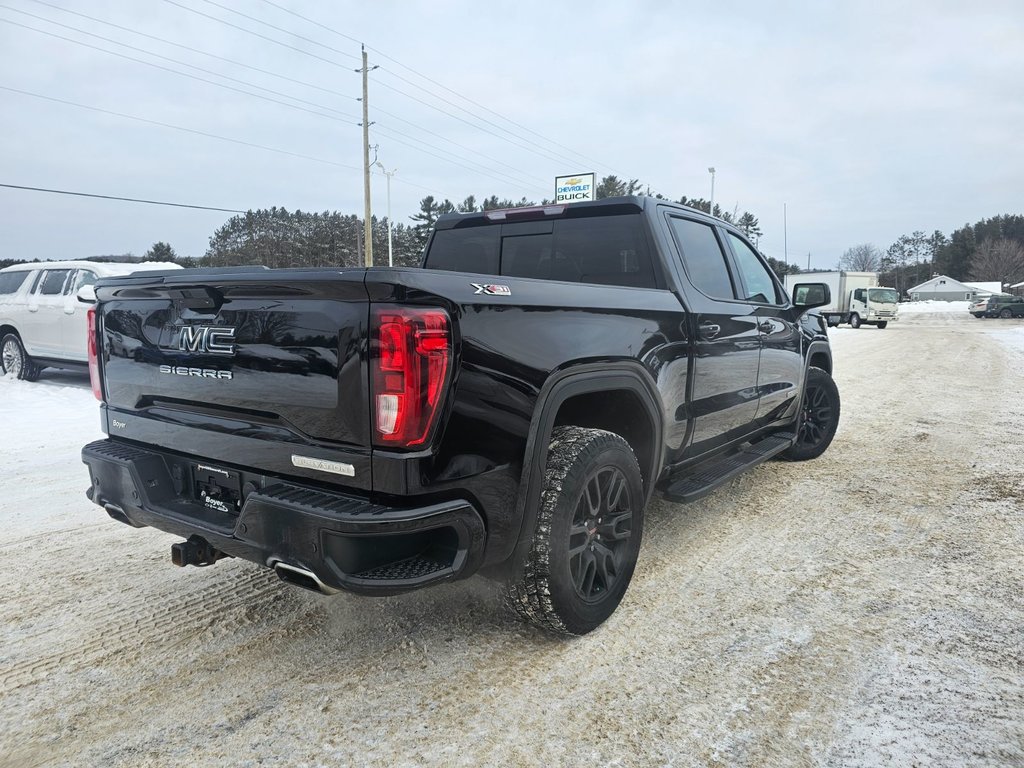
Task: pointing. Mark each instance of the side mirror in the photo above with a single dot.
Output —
(87, 294)
(810, 295)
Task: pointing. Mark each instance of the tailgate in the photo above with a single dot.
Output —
(252, 367)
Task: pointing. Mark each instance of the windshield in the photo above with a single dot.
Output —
(882, 295)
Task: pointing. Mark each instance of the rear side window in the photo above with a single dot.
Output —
(11, 281)
(465, 250)
(53, 282)
(703, 258)
(603, 250)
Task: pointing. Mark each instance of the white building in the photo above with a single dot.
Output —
(943, 288)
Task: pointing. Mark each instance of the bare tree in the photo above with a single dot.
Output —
(861, 258)
(1000, 259)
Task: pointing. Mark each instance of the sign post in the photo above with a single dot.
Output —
(574, 189)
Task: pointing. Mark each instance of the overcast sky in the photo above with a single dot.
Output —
(867, 120)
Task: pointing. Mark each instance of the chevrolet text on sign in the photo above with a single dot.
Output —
(574, 189)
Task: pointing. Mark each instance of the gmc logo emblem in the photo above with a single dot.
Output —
(207, 339)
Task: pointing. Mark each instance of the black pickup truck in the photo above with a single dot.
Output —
(509, 409)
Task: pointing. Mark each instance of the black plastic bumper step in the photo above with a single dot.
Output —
(704, 478)
(412, 568)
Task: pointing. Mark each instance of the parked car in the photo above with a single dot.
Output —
(42, 321)
(1005, 306)
(978, 306)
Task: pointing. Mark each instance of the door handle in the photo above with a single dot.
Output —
(708, 330)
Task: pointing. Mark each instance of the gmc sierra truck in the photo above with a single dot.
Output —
(509, 409)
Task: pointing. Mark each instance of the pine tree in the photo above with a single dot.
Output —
(160, 251)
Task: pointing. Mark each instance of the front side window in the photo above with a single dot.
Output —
(11, 281)
(85, 277)
(53, 281)
(760, 287)
(703, 258)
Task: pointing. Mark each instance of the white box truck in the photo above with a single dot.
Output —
(856, 297)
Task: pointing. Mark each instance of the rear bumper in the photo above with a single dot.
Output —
(345, 541)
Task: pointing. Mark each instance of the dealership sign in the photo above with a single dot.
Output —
(574, 189)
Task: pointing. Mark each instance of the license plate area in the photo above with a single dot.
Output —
(218, 489)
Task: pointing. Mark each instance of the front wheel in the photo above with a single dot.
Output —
(1005, 313)
(587, 537)
(882, 324)
(855, 320)
(15, 361)
(818, 419)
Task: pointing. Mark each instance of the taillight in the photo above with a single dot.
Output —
(94, 354)
(410, 358)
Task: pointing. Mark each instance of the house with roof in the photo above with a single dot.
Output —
(945, 288)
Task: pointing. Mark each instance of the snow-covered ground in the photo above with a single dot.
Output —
(932, 306)
(862, 609)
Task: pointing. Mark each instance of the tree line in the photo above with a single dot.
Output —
(277, 237)
(989, 250)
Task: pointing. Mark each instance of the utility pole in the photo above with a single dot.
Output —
(367, 230)
(389, 174)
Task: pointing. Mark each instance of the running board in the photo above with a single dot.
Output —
(706, 477)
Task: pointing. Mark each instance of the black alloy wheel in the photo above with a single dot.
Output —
(599, 534)
(818, 418)
(1005, 313)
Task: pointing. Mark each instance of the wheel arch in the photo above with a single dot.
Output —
(820, 356)
(620, 397)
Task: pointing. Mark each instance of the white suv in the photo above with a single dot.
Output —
(42, 321)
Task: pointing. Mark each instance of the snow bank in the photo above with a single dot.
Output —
(931, 305)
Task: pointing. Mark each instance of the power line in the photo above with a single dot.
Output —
(499, 177)
(478, 169)
(257, 34)
(125, 199)
(184, 47)
(282, 29)
(205, 134)
(436, 108)
(432, 81)
(530, 146)
(182, 74)
(180, 128)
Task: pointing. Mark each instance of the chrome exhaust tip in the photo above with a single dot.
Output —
(300, 577)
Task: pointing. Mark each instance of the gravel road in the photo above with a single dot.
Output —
(866, 608)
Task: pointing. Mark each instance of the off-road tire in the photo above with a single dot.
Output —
(14, 356)
(855, 320)
(549, 590)
(818, 418)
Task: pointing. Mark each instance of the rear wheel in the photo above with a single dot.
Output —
(855, 320)
(587, 536)
(1005, 313)
(15, 361)
(819, 417)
